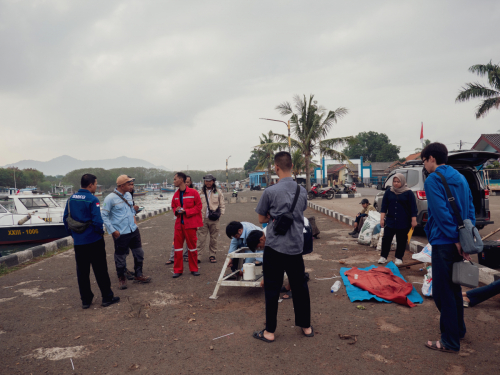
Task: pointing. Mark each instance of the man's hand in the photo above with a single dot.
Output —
(413, 222)
(382, 223)
(136, 208)
(180, 210)
(461, 252)
(358, 215)
(116, 234)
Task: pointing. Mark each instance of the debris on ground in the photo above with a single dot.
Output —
(361, 307)
(191, 320)
(349, 337)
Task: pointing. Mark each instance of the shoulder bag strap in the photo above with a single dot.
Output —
(122, 198)
(297, 193)
(206, 198)
(451, 199)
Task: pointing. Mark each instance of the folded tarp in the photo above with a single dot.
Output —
(357, 294)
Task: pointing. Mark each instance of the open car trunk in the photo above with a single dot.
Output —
(477, 190)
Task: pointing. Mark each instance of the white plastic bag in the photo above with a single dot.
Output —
(425, 256)
(379, 244)
(365, 234)
(427, 286)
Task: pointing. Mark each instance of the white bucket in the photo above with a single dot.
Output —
(249, 271)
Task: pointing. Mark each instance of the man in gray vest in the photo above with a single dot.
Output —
(283, 253)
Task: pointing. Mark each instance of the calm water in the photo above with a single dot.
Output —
(149, 202)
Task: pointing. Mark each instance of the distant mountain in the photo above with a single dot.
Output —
(64, 164)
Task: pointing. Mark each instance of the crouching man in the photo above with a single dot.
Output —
(238, 233)
(118, 214)
(367, 207)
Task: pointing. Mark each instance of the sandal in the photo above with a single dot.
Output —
(169, 262)
(186, 259)
(283, 289)
(309, 335)
(288, 293)
(260, 336)
(212, 259)
(434, 346)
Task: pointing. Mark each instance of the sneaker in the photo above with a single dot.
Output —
(110, 301)
(86, 305)
(382, 260)
(176, 275)
(129, 275)
(122, 282)
(398, 262)
(142, 279)
(351, 233)
(466, 304)
(195, 273)
(355, 235)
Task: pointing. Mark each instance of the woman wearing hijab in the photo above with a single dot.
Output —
(397, 215)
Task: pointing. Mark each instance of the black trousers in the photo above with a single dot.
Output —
(275, 265)
(401, 239)
(92, 254)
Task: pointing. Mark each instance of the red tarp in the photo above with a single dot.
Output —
(383, 283)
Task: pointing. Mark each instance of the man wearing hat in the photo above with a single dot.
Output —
(367, 207)
(118, 214)
(211, 213)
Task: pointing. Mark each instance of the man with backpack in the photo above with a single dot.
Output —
(83, 221)
(213, 208)
(118, 214)
(443, 234)
(282, 206)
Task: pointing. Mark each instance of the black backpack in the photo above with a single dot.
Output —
(284, 221)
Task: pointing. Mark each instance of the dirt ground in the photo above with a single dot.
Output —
(151, 331)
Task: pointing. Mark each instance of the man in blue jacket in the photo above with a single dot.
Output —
(83, 207)
(442, 232)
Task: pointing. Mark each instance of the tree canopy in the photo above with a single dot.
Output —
(24, 177)
(252, 162)
(490, 94)
(372, 146)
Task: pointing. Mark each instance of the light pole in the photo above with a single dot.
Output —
(288, 125)
(227, 175)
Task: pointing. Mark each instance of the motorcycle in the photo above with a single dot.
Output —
(256, 187)
(316, 192)
(235, 193)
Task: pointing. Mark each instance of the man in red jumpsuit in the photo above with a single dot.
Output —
(186, 204)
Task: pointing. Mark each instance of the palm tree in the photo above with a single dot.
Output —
(265, 153)
(426, 143)
(311, 124)
(476, 90)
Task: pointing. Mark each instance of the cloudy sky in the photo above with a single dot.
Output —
(184, 83)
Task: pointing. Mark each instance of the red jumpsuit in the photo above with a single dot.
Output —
(186, 226)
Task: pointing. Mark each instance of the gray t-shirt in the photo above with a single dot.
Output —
(278, 200)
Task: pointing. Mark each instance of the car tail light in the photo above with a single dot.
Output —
(486, 194)
(424, 217)
(421, 195)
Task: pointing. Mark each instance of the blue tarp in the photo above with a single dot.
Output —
(357, 294)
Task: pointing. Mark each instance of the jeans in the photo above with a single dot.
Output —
(447, 295)
(401, 239)
(275, 265)
(478, 295)
(92, 254)
(123, 243)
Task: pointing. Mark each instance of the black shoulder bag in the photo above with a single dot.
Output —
(212, 215)
(76, 226)
(284, 221)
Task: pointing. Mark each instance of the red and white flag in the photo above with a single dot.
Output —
(422, 134)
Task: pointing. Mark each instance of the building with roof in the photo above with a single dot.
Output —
(488, 142)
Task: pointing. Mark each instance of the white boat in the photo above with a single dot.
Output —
(43, 205)
(21, 228)
(5, 192)
(162, 198)
(98, 192)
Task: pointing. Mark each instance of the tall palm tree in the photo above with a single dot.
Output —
(298, 162)
(311, 125)
(265, 152)
(476, 90)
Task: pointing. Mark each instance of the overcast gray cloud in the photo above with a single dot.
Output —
(184, 83)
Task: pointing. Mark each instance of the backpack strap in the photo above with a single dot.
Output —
(451, 199)
(297, 193)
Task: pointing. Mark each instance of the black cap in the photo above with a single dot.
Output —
(209, 177)
(363, 201)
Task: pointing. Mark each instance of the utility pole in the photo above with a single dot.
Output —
(227, 173)
(15, 186)
(288, 125)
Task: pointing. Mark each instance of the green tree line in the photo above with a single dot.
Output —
(23, 177)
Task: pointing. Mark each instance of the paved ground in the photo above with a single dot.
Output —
(42, 324)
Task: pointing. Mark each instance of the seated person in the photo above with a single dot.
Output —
(367, 207)
(476, 296)
(238, 233)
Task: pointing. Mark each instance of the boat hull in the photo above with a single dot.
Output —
(32, 233)
(168, 189)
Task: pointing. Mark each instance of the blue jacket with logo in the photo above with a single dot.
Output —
(84, 207)
(442, 226)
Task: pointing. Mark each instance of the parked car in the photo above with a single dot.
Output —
(468, 163)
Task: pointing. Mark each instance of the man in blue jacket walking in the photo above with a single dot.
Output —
(83, 207)
(442, 232)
